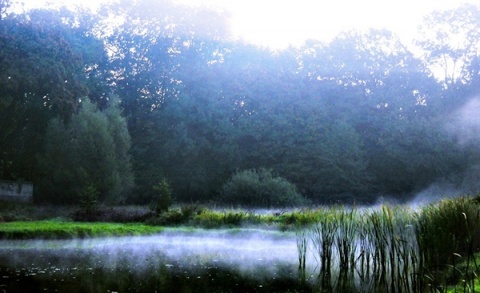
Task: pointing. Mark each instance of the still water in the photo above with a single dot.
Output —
(188, 261)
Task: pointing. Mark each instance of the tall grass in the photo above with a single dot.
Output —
(302, 246)
(393, 249)
(449, 235)
(323, 238)
(392, 238)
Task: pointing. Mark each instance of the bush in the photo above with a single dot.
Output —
(260, 188)
(89, 199)
(163, 196)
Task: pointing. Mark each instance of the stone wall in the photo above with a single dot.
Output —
(16, 190)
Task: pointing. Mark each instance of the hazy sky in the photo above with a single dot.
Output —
(279, 23)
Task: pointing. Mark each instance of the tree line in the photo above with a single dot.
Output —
(164, 93)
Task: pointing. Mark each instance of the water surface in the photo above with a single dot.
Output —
(198, 261)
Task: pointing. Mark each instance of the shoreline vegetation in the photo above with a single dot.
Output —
(435, 246)
(30, 220)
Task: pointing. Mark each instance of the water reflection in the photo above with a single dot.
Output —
(209, 261)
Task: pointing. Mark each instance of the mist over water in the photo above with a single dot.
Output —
(241, 250)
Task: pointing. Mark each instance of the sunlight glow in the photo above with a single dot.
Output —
(278, 24)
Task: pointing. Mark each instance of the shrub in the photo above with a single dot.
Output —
(260, 188)
(163, 196)
(89, 198)
(190, 210)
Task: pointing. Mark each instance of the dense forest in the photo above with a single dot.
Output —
(138, 93)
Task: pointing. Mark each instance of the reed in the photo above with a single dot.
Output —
(394, 249)
(323, 239)
(449, 234)
(369, 251)
(302, 245)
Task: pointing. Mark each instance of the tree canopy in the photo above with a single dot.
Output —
(163, 94)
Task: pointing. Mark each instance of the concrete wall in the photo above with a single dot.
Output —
(16, 191)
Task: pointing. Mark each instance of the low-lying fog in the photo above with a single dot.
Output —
(243, 250)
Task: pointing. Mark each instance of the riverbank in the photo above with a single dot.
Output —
(433, 246)
(70, 230)
(26, 221)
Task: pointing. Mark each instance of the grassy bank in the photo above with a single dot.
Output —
(68, 230)
(181, 215)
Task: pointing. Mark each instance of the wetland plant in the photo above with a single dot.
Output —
(358, 251)
(393, 249)
(449, 237)
(302, 245)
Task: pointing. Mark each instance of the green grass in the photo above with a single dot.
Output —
(290, 220)
(464, 275)
(462, 287)
(68, 230)
(180, 215)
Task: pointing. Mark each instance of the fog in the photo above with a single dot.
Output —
(464, 122)
(261, 106)
(244, 251)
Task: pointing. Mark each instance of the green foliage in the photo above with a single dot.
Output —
(121, 172)
(221, 219)
(260, 188)
(163, 196)
(185, 215)
(40, 79)
(448, 230)
(89, 199)
(343, 121)
(85, 152)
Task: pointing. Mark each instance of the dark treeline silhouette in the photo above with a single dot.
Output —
(174, 97)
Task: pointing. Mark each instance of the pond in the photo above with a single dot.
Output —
(186, 261)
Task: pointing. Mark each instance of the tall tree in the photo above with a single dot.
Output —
(89, 150)
(153, 54)
(388, 97)
(451, 41)
(40, 78)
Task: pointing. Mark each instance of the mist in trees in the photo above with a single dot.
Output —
(166, 93)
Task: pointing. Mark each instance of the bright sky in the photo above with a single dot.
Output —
(280, 23)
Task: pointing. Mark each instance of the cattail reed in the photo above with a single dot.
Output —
(302, 246)
(369, 251)
(392, 249)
